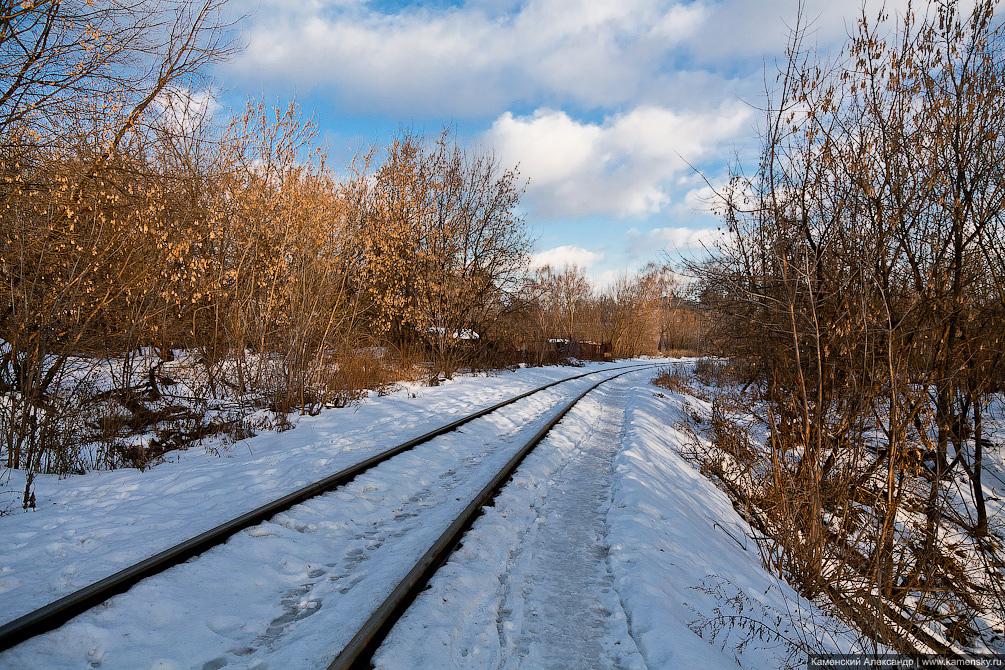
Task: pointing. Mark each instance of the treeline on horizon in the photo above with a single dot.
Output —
(137, 227)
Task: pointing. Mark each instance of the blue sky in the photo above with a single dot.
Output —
(605, 104)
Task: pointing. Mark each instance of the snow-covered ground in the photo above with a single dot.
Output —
(607, 550)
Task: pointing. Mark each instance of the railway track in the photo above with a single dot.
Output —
(357, 654)
(362, 645)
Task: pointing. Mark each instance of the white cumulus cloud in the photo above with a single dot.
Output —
(672, 238)
(624, 166)
(471, 59)
(564, 255)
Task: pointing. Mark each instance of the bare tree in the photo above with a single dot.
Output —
(860, 284)
(446, 245)
(566, 294)
(77, 82)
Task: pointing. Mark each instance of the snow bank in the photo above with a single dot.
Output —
(682, 556)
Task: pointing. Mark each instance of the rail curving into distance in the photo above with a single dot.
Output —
(55, 614)
(358, 652)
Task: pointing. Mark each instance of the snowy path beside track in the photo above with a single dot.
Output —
(531, 587)
(604, 552)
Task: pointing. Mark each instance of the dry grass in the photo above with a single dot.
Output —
(674, 379)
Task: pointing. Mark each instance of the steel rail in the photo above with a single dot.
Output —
(358, 652)
(58, 612)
